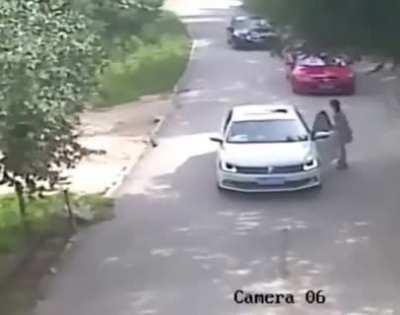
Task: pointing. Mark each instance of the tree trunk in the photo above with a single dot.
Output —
(71, 217)
(19, 191)
(21, 200)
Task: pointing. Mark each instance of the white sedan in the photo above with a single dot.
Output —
(267, 148)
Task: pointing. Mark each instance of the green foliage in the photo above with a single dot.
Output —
(119, 18)
(96, 200)
(152, 68)
(48, 60)
(46, 216)
(41, 218)
(365, 25)
(166, 24)
(8, 214)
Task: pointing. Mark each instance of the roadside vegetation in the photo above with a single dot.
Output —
(56, 57)
(146, 47)
(363, 26)
(149, 62)
(39, 247)
(49, 57)
(47, 217)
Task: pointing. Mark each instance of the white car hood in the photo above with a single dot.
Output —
(267, 154)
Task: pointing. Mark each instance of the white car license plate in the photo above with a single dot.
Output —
(327, 86)
(271, 181)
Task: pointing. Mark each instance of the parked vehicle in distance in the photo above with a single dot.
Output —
(319, 74)
(251, 32)
(269, 148)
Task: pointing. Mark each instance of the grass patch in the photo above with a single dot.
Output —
(41, 218)
(48, 222)
(149, 63)
(46, 218)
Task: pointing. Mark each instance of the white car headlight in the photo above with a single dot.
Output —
(227, 167)
(310, 163)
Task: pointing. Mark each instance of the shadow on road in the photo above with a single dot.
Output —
(206, 241)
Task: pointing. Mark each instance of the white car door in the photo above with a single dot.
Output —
(327, 146)
(327, 150)
(225, 123)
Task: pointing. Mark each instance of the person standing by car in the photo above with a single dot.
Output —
(344, 132)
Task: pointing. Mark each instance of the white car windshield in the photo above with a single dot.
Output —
(267, 131)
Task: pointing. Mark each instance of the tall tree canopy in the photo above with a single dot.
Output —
(121, 17)
(48, 61)
(366, 25)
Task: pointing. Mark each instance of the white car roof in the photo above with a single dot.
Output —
(263, 112)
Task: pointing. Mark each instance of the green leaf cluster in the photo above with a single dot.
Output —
(118, 18)
(367, 26)
(49, 56)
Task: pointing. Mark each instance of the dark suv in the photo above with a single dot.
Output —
(251, 32)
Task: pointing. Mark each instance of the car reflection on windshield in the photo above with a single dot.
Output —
(267, 131)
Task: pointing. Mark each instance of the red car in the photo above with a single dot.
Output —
(317, 75)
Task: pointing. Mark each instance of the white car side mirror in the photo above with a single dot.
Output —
(217, 139)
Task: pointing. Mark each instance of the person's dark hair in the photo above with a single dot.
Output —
(325, 115)
(335, 104)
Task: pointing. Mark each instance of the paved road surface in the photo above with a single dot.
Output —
(178, 246)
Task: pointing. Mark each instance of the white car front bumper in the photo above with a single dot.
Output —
(268, 182)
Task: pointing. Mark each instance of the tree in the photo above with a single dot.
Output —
(366, 26)
(120, 18)
(48, 61)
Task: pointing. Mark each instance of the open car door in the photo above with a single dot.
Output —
(327, 142)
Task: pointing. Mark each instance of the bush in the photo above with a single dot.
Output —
(149, 65)
(166, 24)
(366, 26)
(46, 217)
(41, 216)
(118, 18)
(123, 47)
